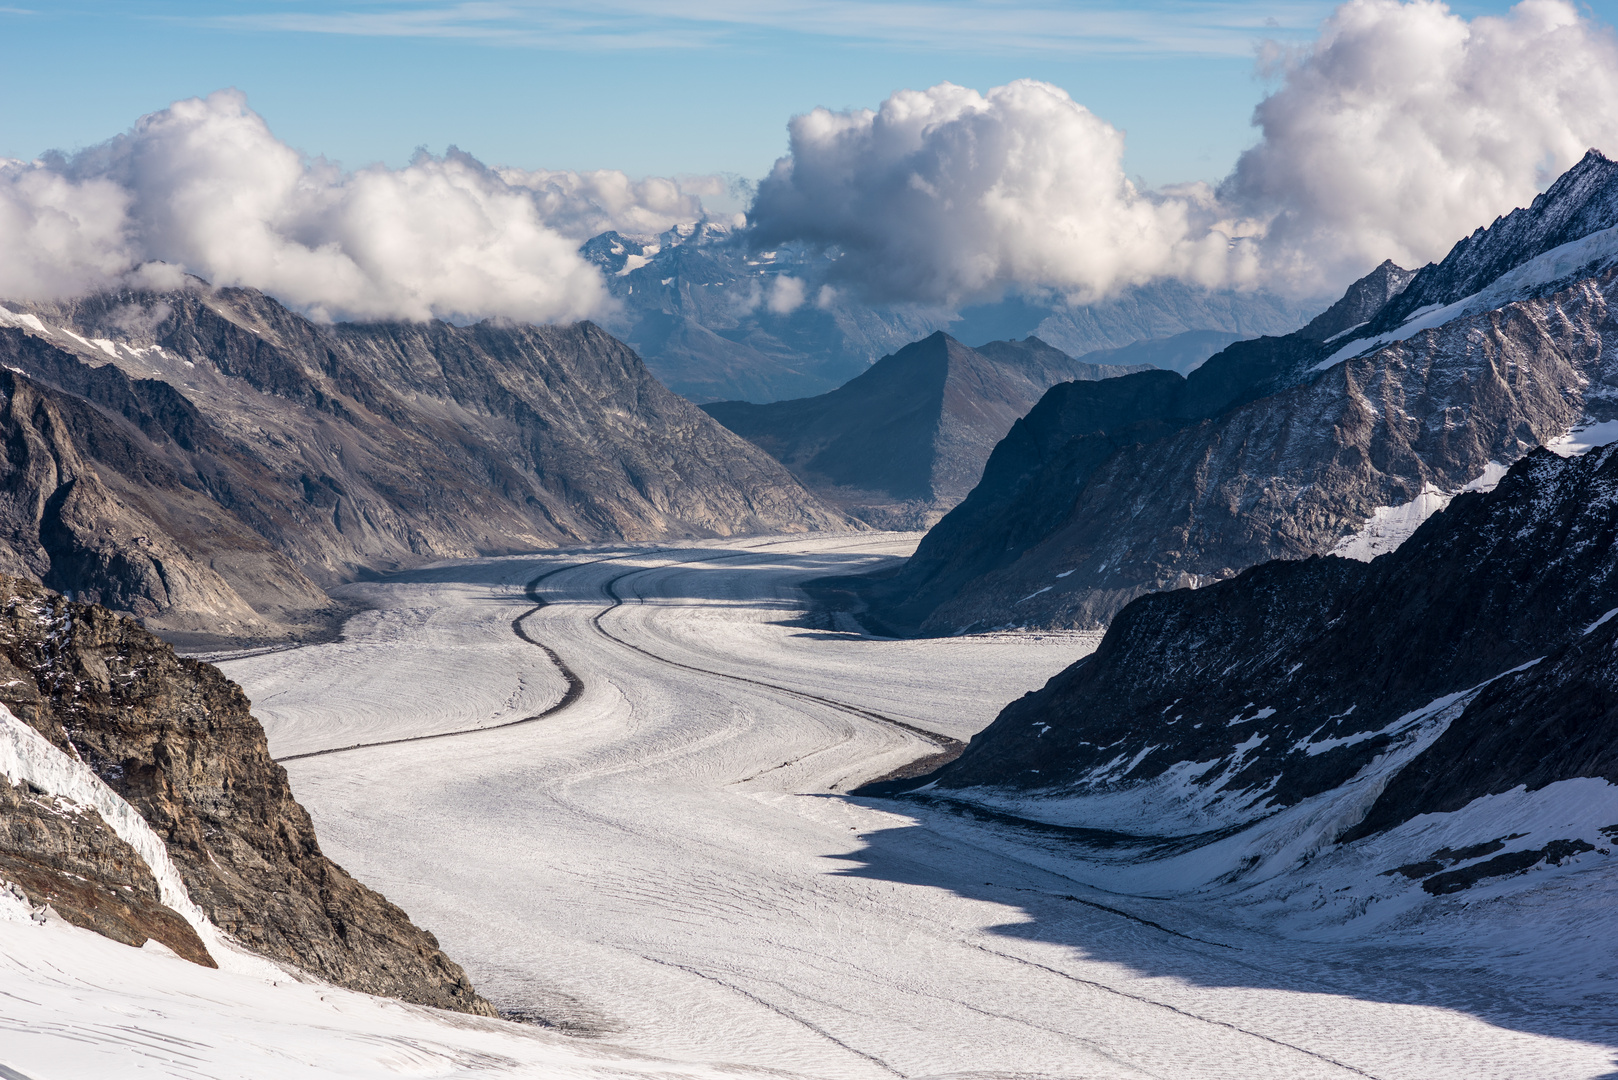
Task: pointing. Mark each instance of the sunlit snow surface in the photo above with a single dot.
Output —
(668, 868)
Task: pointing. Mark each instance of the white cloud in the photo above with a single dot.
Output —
(786, 295)
(204, 186)
(60, 236)
(1399, 131)
(947, 193)
(584, 204)
(1405, 127)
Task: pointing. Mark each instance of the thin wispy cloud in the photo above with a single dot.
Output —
(1187, 27)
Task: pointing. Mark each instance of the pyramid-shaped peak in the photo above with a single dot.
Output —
(1361, 301)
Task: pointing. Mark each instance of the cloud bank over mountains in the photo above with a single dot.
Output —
(204, 187)
(1403, 127)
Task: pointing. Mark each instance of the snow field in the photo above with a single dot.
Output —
(665, 865)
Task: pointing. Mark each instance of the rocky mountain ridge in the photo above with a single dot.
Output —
(905, 441)
(1277, 447)
(1312, 704)
(210, 461)
(717, 321)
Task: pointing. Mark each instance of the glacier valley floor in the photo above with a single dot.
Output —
(666, 868)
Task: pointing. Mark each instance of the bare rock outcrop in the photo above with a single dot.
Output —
(176, 740)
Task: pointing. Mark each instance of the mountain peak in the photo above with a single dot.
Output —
(1582, 201)
(1360, 302)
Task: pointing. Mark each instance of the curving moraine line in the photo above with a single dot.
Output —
(952, 747)
(575, 685)
(574, 691)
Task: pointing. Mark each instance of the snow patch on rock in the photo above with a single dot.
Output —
(1390, 526)
(26, 756)
(1585, 256)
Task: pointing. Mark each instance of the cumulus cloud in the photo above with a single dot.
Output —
(1405, 127)
(1400, 130)
(947, 193)
(204, 187)
(584, 204)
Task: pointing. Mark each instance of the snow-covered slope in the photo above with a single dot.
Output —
(81, 1007)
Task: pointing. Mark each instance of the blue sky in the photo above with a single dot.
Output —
(624, 84)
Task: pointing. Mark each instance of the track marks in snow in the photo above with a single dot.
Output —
(1155, 1003)
(779, 1011)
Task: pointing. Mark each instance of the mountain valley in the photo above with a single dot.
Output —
(452, 697)
(904, 442)
(210, 461)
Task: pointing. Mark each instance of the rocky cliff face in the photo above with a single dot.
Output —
(175, 739)
(1478, 659)
(208, 459)
(905, 441)
(1281, 448)
(713, 322)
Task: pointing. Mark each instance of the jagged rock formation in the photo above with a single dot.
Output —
(712, 322)
(1584, 200)
(1479, 658)
(906, 440)
(175, 739)
(209, 461)
(1280, 448)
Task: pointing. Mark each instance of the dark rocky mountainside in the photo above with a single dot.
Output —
(1478, 658)
(906, 440)
(716, 321)
(1276, 448)
(175, 739)
(210, 461)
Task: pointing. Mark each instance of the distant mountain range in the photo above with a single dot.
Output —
(716, 321)
(1341, 435)
(210, 461)
(903, 442)
(1418, 724)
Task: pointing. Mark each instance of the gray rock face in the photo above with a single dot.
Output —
(175, 739)
(904, 442)
(1290, 679)
(68, 859)
(697, 304)
(1294, 473)
(1106, 491)
(208, 459)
